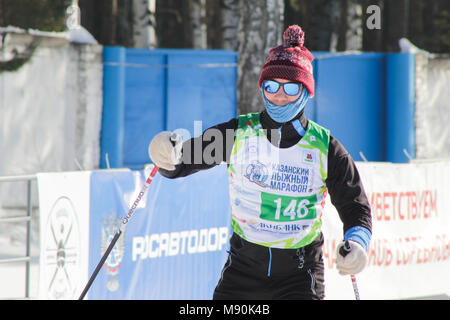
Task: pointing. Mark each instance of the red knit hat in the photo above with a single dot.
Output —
(291, 60)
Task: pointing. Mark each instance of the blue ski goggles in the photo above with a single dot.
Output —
(290, 88)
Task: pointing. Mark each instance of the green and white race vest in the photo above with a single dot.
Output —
(277, 195)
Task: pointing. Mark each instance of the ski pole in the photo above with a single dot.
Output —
(119, 231)
(345, 249)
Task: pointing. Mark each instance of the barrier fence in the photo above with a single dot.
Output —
(360, 97)
(25, 219)
(177, 243)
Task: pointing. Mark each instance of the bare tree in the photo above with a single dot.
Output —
(353, 36)
(144, 24)
(230, 22)
(260, 29)
(347, 33)
(198, 24)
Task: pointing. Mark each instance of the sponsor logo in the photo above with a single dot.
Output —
(114, 261)
(308, 157)
(281, 228)
(257, 173)
(62, 251)
(159, 245)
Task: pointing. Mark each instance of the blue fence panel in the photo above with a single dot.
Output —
(350, 102)
(112, 133)
(201, 87)
(400, 106)
(366, 100)
(162, 90)
(145, 105)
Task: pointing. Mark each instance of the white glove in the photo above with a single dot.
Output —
(354, 261)
(165, 150)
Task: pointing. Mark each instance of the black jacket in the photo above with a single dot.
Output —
(344, 184)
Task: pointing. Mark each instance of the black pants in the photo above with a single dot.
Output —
(254, 272)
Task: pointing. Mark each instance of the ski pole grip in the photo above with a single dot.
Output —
(345, 249)
(173, 138)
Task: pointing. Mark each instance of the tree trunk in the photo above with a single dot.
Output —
(338, 26)
(348, 21)
(144, 24)
(198, 22)
(260, 29)
(230, 22)
(108, 23)
(353, 36)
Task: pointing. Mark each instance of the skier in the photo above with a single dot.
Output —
(281, 166)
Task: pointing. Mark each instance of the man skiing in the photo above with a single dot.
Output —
(281, 166)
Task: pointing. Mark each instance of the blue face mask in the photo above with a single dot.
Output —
(287, 112)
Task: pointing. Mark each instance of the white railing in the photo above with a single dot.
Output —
(27, 219)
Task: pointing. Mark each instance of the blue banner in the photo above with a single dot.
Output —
(173, 247)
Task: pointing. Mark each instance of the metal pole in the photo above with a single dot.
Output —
(119, 232)
(100, 264)
(27, 218)
(28, 245)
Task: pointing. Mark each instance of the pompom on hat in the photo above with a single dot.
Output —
(291, 60)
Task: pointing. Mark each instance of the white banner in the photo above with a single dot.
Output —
(64, 224)
(409, 254)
